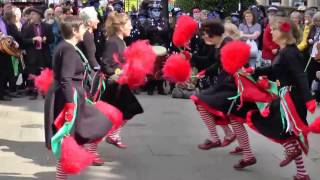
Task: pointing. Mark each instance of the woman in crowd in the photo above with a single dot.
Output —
(118, 26)
(213, 104)
(250, 30)
(67, 94)
(294, 100)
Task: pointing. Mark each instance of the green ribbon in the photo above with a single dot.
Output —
(56, 140)
(15, 65)
(239, 89)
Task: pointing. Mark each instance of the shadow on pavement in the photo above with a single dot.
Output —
(15, 176)
(34, 151)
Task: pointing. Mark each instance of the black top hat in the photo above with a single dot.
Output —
(35, 9)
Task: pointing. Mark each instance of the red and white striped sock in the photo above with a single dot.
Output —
(60, 174)
(227, 131)
(301, 171)
(209, 121)
(93, 148)
(243, 139)
(115, 135)
(289, 146)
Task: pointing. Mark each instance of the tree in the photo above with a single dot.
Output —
(228, 6)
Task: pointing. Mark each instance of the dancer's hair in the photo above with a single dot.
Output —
(114, 21)
(292, 36)
(212, 28)
(69, 24)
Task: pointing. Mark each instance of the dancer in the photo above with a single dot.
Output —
(118, 26)
(286, 123)
(65, 101)
(214, 106)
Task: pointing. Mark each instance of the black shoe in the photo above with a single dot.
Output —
(150, 93)
(15, 95)
(162, 93)
(5, 98)
(34, 97)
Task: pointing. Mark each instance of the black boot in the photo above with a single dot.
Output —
(34, 96)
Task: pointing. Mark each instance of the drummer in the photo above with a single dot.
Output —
(156, 80)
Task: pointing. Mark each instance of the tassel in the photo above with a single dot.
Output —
(176, 69)
(44, 80)
(315, 126)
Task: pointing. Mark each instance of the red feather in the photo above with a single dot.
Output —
(112, 113)
(44, 80)
(315, 126)
(74, 158)
(185, 27)
(234, 55)
(176, 68)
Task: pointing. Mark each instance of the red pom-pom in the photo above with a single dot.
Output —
(234, 55)
(140, 59)
(134, 75)
(315, 126)
(141, 52)
(112, 113)
(74, 158)
(185, 27)
(176, 68)
(44, 80)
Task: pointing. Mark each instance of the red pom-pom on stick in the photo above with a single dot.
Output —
(234, 55)
(176, 69)
(140, 59)
(74, 158)
(185, 27)
(44, 80)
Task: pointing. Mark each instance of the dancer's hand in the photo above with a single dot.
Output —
(249, 70)
(201, 74)
(69, 109)
(187, 55)
(311, 105)
(114, 77)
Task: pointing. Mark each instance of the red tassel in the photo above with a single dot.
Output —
(315, 126)
(112, 113)
(185, 28)
(44, 80)
(74, 158)
(234, 55)
(176, 69)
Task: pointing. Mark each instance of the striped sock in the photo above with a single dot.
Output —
(301, 171)
(93, 148)
(60, 174)
(243, 139)
(115, 135)
(209, 121)
(227, 131)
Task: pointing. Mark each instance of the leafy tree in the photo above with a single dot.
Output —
(228, 6)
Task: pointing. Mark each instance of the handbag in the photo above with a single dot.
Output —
(253, 47)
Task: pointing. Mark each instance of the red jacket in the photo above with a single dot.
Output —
(268, 45)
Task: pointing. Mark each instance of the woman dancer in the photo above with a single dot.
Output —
(214, 106)
(286, 123)
(66, 97)
(118, 26)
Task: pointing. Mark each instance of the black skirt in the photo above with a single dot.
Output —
(215, 100)
(90, 124)
(272, 126)
(122, 98)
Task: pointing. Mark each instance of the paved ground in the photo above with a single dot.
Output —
(162, 146)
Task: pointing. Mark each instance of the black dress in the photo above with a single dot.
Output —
(117, 95)
(90, 123)
(215, 98)
(288, 70)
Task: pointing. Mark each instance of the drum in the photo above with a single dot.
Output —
(9, 46)
(161, 53)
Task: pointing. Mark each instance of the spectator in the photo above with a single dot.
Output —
(307, 26)
(269, 48)
(50, 19)
(231, 30)
(250, 31)
(58, 12)
(296, 17)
